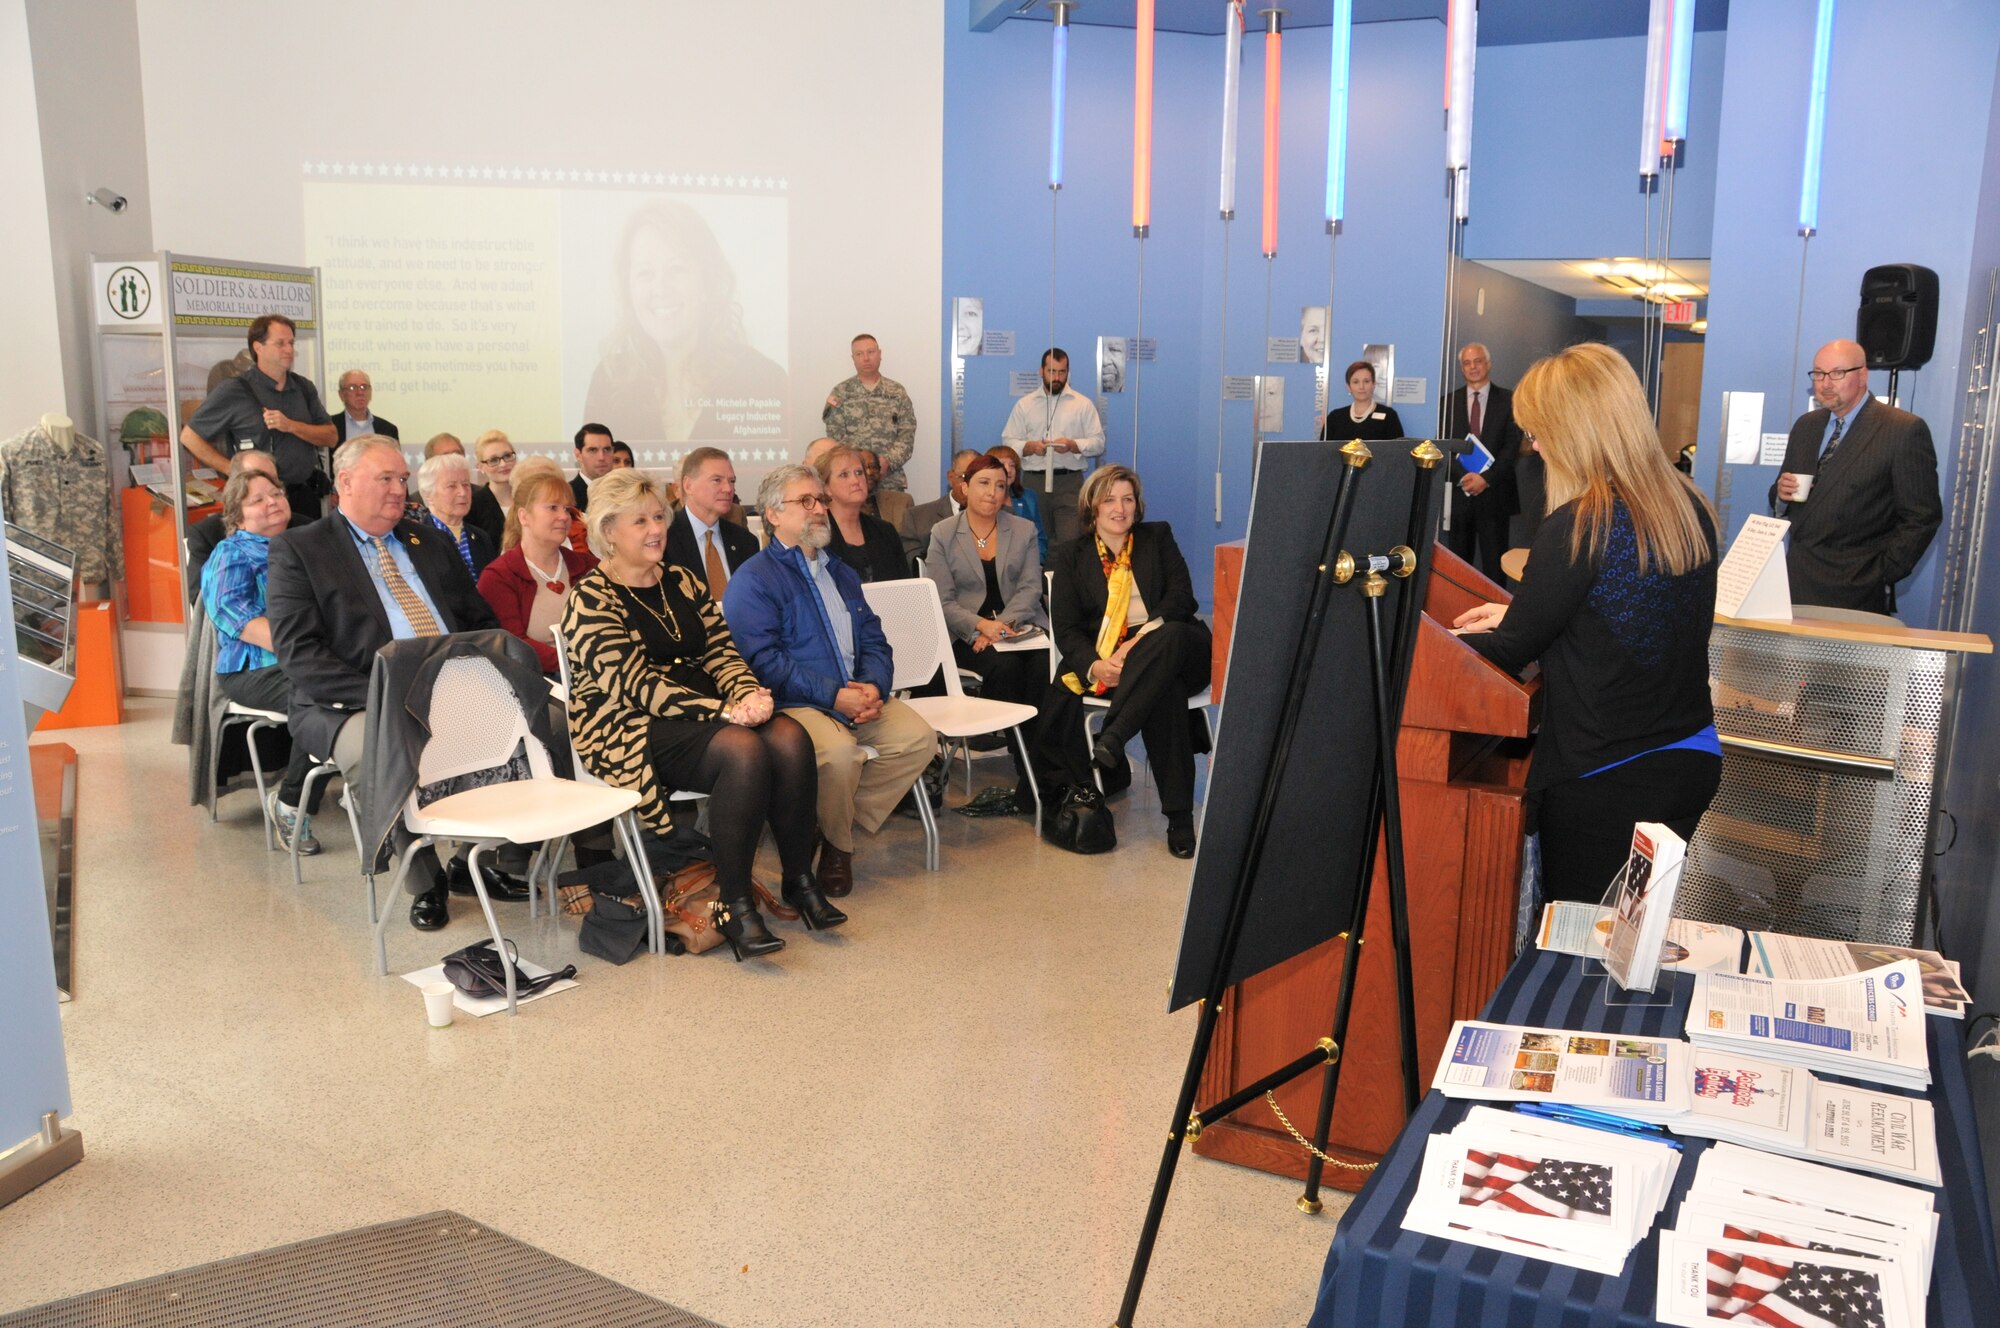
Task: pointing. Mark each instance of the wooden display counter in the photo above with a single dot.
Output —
(1463, 760)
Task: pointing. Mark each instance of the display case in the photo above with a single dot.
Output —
(42, 578)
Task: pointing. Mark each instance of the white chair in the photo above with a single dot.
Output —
(476, 726)
(913, 620)
(583, 775)
(1096, 709)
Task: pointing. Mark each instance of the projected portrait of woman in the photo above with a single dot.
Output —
(677, 367)
(968, 324)
(1312, 334)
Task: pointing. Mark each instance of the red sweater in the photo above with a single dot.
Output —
(510, 587)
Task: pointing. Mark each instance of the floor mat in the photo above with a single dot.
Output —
(439, 1269)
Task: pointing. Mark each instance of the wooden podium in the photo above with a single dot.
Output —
(1463, 761)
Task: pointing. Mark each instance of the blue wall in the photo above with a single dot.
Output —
(997, 235)
(1555, 150)
(1909, 97)
(1522, 322)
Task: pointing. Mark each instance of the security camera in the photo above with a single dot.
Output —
(106, 199)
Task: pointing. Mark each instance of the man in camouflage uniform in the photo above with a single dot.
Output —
(874, 413)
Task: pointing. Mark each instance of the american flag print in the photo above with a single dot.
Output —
(1545, 1187)
(1779, 1292)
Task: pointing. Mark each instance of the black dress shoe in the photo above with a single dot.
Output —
(1106, 753)
(499, 885)
(1180, 834)
(428, 911)
(743, 927)
(803, 893)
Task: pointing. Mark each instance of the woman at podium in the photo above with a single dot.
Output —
(1616, 604)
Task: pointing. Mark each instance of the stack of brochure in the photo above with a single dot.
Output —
(1787, 1109)
(1642, 904)
(1645, 1078)
(1770, 1241)
(1864, 1026)
(1542, 1189)
(1773, 954)
(1583, 929)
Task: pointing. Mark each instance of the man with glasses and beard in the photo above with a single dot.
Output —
(804, 627)
(1860, 488)
(1055, 429)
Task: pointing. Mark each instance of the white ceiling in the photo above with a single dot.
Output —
(1567, 276)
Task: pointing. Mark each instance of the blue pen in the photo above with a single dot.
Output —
(1594, 1120)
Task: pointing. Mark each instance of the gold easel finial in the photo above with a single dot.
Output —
(1343, 568)
(1427, 455)
(1404, 560)
(1331, 1048)
(1194, 1127)
(1374, 585)
(1310, 1207)
(1356, 454)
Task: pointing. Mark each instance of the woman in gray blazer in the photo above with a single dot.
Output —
(988, 572)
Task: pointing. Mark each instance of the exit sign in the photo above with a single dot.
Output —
(1679, 313)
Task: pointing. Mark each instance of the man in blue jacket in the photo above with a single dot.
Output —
(801, 622)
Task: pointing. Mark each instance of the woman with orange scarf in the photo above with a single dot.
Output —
(1123, 606)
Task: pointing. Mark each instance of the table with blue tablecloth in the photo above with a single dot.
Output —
(1378, 1274)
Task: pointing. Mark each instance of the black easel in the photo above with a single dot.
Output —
(1389, 669)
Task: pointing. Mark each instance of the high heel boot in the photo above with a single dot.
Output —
(743, 927)
(803, 893)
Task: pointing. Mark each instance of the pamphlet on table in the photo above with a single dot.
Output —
(1691, 947)
(1864, 1026)
(1774, 1241)
(1641, 1077)
(1775, 955)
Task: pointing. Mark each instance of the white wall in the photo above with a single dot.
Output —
(31, 374)
(844, 102)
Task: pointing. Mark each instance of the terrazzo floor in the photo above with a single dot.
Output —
(948, 1111)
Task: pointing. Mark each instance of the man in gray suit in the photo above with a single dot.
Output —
(915, 525)
(1860, 488)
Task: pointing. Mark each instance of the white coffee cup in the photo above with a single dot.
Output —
(438, 1003)
(1804, 483)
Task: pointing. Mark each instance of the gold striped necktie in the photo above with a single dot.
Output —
(421, 621)
(717, 569)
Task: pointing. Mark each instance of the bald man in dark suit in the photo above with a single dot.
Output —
(1870, 504)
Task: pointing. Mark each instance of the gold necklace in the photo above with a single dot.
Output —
(664, 613)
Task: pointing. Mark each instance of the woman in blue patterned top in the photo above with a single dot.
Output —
(445, 481)
(1616, 603)
(254, 508)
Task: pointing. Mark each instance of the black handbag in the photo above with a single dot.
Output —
(1081, 822)
(476, 971)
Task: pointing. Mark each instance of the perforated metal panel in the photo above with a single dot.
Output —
(1825, 830)
(440, 1269)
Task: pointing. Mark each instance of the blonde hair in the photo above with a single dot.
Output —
(490, 436)
(1098, 485)
(823, 464)
(612, 495)
(538, 487)
(1586, 410)
(537, 465)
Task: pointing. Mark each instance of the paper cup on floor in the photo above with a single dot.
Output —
(438, 1003)
(1805, 487)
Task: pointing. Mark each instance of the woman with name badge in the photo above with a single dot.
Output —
(1362, 417)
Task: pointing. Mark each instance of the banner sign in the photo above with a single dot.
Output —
(214, 295)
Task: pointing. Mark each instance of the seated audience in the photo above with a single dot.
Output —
(801, 621)
(816, 449)
(915, 527)
(496, 457)
(594, 447)
(254, 508)
(989, 576)
(339, 590)
(621, 456)
(527, 584)
(889, 504)
(661, 701)
(486, 512)
(1616, 604)
(205, 534)
(868, 544)
(1022, 500)
(445, 481)
(701, 538)
(1124, 605)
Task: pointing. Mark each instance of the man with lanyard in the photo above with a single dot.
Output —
(804, 627)
(1056, 431)
(272, 409)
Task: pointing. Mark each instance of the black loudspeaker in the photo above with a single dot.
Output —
(1897, 322)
